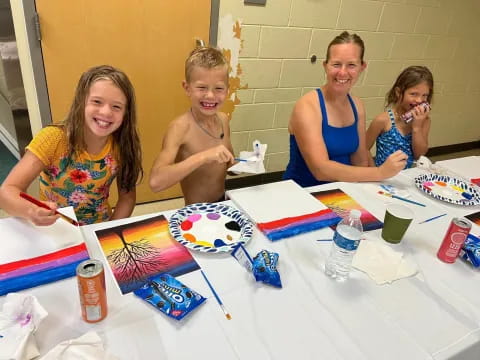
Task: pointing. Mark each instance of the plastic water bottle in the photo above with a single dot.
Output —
(345, 243)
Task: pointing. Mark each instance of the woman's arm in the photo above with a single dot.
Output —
(305, 124)
(18, 180)
(125, 204)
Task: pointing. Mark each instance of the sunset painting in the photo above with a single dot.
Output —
(141, 249)
(341, 203)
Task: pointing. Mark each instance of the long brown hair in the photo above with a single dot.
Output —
(346, 38)
(126, 141)
(409, 77)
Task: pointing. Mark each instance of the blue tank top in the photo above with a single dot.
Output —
(340, 143)
(391, 141)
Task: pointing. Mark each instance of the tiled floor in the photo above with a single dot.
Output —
(142, 209)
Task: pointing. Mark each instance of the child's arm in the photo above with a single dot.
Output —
(360, 157)
(228, 142)
(125, 204)
(165, 172)
(21, 176)
(376, 127)
(420, 130)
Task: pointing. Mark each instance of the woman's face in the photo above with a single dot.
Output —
(344, 66)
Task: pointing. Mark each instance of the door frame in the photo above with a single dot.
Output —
(28, 34)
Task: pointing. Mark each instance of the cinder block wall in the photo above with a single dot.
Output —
(279, 39)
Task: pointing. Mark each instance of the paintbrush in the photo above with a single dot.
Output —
(227, 315)
(401, 198)
(432, 218)
(45, 206)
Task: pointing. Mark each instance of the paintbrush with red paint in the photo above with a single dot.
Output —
(45, 206)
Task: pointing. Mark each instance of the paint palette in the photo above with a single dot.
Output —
(448, 189)
(210, 227)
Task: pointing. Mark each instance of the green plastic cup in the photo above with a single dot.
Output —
(397, 219)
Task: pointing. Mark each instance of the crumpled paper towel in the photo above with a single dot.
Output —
(253, 160)
(20, 317)
(87, 346)
(381, 263)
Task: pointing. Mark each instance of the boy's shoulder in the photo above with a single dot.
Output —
(180, 123)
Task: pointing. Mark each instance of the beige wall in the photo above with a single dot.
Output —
(278, 40)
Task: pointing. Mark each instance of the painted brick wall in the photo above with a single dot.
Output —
(278, 40)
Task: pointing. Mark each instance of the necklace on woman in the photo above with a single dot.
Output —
(205, 130)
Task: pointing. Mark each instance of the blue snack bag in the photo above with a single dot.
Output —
(169, 295)
(265, 268)
(471, 250)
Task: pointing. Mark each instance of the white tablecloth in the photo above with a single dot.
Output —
(434, 315)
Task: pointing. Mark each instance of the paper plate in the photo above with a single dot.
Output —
(448, 188)
(210, 227)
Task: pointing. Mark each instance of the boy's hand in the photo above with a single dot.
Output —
(394, 164)
(43, 217)
(218, 154)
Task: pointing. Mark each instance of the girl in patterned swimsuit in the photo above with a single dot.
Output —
(78, 159)
(413, 86)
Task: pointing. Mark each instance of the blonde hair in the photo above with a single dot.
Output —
(347, 38)
(206, 57)
(125, 138)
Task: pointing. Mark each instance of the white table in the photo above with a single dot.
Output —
(434, 315)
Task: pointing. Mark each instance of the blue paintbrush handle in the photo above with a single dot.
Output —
(407, 200)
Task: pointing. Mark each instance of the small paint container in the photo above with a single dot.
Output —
(91, 287)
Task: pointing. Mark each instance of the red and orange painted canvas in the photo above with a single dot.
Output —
(141, 249)
(341, 203)
(475, 218)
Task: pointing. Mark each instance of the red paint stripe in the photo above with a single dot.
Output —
(289, 220)
(44, 258)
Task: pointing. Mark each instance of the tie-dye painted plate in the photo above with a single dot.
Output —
(448, 189)
(210, 227)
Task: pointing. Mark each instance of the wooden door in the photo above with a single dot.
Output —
(148, 39)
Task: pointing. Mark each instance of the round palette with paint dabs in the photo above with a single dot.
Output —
(210, 227)
(448, 188)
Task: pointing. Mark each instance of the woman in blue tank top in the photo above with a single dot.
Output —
(327, 126)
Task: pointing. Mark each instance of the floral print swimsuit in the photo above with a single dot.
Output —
(82, 181)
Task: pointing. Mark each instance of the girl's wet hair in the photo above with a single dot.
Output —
(126, 140)
(409, 77)
(206, 57)
(347, 38)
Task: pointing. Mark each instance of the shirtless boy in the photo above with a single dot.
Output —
(196, 149)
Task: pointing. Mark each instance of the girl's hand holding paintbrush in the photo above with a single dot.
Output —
(41, 213)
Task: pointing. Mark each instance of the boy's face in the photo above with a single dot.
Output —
(207, 89)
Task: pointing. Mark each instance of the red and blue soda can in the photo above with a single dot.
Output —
(453, 241)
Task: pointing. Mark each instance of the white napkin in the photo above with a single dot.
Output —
(381, 263)
(253, 160)
(87, 346)
(19, 319)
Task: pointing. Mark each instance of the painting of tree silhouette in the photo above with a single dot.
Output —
(141, 249)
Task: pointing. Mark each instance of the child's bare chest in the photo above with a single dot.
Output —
(196, 141)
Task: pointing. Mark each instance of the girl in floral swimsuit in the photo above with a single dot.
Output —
(78, 159)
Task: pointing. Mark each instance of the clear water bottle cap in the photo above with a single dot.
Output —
(355, 213)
